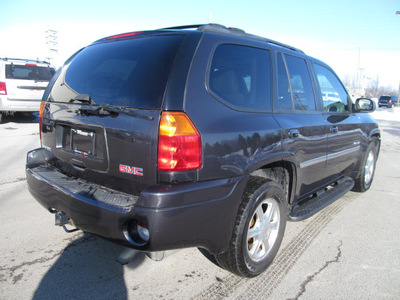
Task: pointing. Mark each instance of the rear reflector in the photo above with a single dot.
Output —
(42, 104)
(179, 143)
(3, 89)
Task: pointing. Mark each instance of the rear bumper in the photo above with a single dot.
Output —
(21, 105)
(198, 214)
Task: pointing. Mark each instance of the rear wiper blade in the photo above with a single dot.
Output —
(84, 98)
(124, 110)
(109, 110)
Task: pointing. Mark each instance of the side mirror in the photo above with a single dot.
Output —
(364, 105)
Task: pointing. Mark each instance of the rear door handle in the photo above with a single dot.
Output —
(293, 133)
(334, 129)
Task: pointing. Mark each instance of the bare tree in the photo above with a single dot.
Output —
(373, 87)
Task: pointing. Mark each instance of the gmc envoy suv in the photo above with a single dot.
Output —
(198, 136)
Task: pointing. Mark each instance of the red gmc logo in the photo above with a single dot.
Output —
(131, 170)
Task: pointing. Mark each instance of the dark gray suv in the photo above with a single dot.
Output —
(209, 138)
(388, 101)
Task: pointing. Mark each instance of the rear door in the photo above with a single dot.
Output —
(304, 134)
(101, 120)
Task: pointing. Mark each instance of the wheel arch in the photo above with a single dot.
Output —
(283, 173)
(375, 137)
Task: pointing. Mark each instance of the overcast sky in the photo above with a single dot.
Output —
(348, 35)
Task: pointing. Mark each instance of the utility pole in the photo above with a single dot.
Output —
(51, 42)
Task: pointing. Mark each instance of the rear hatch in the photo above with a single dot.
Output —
(101, 119)
(27, 81)
(384, 99)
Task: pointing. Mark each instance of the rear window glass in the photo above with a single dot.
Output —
(240, 76)
(131, 73)
(384, 98)
(29, 72)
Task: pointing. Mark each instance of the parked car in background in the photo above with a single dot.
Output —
(209, 138)
(388, 101)
(22, 84)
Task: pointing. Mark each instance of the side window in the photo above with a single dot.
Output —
(284, 92)
(300, 82)
(240, 76)
(334, 95)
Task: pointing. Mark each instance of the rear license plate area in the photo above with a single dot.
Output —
(83, 142)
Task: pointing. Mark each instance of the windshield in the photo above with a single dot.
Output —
(131, 73)
(29, 72)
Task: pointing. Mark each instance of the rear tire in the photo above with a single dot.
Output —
(364, 181)
(258, 230)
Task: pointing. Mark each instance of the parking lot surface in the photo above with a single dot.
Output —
(350, 250)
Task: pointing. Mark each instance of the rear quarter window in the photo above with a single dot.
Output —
(240, 77)
(131, 73)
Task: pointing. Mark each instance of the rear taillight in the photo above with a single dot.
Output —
(42, 104)
(3, 89)
(179, 143)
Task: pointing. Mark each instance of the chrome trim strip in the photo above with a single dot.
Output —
(320, 159)
(344, 152)
(313, 161)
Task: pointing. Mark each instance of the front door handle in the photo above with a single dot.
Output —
(293, 133)
(334, 129)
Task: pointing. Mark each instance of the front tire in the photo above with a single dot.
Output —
(258, 230)
(364, 181)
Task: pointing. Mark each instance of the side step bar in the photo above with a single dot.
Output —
(311, 206)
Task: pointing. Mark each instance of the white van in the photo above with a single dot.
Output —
(22, 84)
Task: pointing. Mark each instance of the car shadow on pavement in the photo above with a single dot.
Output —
(87, 269)
(21, 118)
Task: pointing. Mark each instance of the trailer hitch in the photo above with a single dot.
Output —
(62, 219)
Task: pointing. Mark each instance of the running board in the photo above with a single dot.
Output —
(321, 199)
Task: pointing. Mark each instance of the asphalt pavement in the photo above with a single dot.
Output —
(349, 250)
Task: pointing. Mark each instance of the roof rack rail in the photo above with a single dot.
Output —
(217, 28)
(25, 59)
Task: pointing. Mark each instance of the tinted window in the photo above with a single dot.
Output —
(284, 92)
(334, 96)
(29, 72)
(129, 73)
(241, 77)
(300, 82)
(385, 98)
